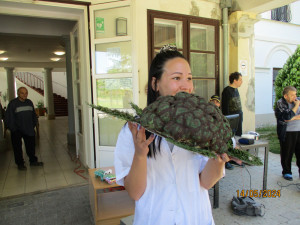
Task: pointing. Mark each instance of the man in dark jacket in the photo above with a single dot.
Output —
(231, 103)
(287, 113)
(20, 118)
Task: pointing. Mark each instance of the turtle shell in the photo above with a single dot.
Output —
(188, 119)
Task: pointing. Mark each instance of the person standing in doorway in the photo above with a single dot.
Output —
(21, 119)
(287, 113)
(231, 103)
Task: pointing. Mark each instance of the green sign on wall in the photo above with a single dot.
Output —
(99, 25)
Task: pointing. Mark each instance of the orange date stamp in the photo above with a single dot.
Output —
(259, 193)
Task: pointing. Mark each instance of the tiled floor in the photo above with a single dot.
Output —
(61, 168)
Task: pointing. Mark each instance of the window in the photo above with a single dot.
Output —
(282, 14)
(196, 38)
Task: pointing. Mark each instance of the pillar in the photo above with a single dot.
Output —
(71, 118)
(1, 125)
(48, 93)
(11, 90)
(241, 59)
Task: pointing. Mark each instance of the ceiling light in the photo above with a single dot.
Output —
(59, 53)
(1, 52)
(3, 58)
(55, 59)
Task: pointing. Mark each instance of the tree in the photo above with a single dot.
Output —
(289, 75)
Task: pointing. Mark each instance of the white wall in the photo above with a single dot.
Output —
(295, 8)
(32, 94)
(59, 82)
(274, 42)
(263, 91)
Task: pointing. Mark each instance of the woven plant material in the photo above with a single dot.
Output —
(187, 121)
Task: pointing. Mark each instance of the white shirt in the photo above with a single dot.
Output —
(173, 194)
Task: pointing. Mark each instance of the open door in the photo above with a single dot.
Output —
(112, 72)
(75, 56)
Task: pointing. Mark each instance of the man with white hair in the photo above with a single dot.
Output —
(287, 112)
(21, 119)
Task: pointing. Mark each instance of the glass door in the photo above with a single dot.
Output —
(75, 56)
(112, 71)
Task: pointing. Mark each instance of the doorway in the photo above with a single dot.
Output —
(68, 18)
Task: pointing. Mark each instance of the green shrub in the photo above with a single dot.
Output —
(289, 75)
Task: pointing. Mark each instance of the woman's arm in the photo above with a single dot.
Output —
(136, 181)
(213, 171)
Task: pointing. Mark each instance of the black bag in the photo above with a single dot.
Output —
(247, 206)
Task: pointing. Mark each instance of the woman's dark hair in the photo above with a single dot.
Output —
(156, 71)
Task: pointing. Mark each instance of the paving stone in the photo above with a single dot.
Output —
(70, 206)
(64, 206)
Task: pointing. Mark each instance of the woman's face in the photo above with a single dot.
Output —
(177, 77)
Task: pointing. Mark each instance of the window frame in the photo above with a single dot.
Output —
(186, 20)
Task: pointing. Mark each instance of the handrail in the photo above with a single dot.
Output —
(35, 81)
(30, 79)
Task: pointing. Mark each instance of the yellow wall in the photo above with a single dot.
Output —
(206, 9)
(241, 49)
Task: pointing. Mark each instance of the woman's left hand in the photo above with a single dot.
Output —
(224, 157)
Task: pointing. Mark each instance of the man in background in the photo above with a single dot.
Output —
(287, 113)
(215, 99)
(21, 119)
(231, 103)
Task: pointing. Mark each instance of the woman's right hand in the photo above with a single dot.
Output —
(139, 138)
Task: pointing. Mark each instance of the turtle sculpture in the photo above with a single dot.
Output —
(187, 121)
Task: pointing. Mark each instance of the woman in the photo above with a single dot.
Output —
(169, 184)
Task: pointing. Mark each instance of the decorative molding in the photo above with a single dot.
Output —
(276, 40)
(276, 49)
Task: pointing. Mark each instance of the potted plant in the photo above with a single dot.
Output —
(40, 108)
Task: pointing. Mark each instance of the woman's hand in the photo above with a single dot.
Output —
(139, 138)
(136, 181)
(224, 157)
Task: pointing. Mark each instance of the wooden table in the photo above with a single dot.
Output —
(108, 207)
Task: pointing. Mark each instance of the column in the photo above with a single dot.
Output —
(48, 93)
(241, 59)
(1, 126)
(71, 117)
(10, 77)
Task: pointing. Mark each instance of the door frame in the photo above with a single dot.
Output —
(77, 13)
(107, 150)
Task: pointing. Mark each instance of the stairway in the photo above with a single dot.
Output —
(60, 103)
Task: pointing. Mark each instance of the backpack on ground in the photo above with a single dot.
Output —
(247, 206)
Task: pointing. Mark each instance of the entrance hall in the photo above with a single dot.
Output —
(61, 167)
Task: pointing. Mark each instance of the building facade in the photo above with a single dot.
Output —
(275, 42)
(113, 42)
